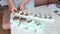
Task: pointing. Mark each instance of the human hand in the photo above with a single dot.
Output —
(13, 9)
(22, 8)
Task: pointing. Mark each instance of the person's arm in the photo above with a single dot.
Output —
(11, 5)
(22, 6)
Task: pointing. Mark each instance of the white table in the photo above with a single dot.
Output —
(49, 28)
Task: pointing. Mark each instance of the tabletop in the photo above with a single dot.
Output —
(47, 28)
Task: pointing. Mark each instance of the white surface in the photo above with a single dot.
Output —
(53, 7)
(49, 28)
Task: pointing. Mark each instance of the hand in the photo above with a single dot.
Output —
(21, 12)
(22, 8)
(14, 10)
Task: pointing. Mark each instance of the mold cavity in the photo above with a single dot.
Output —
(22, 20)
(29, 21)
(38, 23)
(16, 18)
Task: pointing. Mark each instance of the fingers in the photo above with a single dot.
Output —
(14, 11)
(20, 11)
(22, 7)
